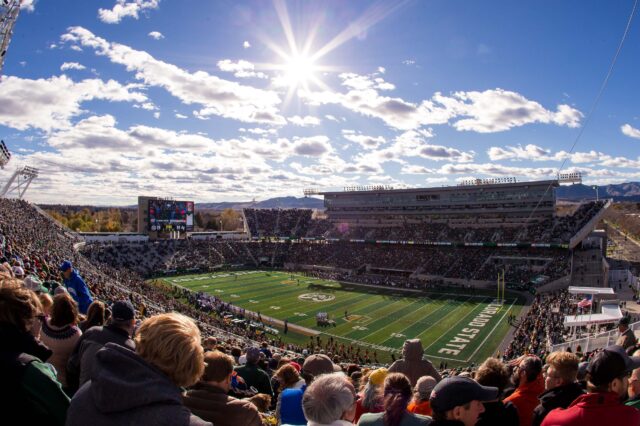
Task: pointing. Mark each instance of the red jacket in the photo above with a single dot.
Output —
(594, 409)
(525, 398)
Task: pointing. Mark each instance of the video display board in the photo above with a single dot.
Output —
(169, 215)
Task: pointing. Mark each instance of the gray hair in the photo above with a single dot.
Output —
(327, 398)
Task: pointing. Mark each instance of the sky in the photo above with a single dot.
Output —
(236, 100)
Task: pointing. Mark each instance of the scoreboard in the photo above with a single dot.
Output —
(170, 215)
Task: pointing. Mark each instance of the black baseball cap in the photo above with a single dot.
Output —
(624, 321)
(611, 363)
(455, 391)
(122, 310)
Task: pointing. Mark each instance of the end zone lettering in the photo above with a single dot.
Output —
(464, 337)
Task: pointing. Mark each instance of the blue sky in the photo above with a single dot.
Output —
(233, 100)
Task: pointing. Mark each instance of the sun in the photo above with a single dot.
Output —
(299, 70)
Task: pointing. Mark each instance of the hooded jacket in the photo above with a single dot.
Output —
(412, 365)
(594, 409)
(126, 390)
(560, 397)
(29, 391)
(79, 290)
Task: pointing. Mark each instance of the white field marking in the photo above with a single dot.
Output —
(444, 305)
(361, 343)
(392, 323)
(253, 301)
(359, 327)
(383, 307)
(235, 296)
(441, 357)
(454, 325)
(276, 308)
(400, 335)
(492, 330)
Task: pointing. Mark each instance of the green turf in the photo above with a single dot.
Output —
(452, 327)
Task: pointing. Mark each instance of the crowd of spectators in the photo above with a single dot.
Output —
(127, 361)
(297, 223)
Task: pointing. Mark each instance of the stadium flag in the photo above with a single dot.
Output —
(584, 303)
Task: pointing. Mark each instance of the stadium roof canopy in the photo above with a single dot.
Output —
(610, 313)
(590, 290)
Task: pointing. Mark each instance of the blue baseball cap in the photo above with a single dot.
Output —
(65, 265)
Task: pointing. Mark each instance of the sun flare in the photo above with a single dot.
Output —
(298, 71)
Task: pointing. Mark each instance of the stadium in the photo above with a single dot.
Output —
(489, 300)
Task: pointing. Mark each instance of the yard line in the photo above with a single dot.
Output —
(444, 305)
(480, 305)
(492, 330)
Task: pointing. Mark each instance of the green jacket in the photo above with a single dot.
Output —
(256, 377)
(44, 392)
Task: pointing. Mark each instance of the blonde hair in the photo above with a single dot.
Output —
(565, 364)
(47, 302)
(171, 342)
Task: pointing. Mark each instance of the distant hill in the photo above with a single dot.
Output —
(619, 192)
(271, 203)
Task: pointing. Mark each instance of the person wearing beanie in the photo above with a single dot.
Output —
(421, 393)
(254, 375)
(370, 400)
(412, 363)
(607, 385)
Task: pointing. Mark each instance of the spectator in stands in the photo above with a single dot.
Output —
(81, 363)
(61, 333)
(459, 401)
(421, 393)
(370, 399)
(627, 338)
(47, 303)
(254, 375)
(634, 386)
(96, 315)
(493, 372)
(208, 398)
(29, 391)
(561, 387)
(412, 365)
(527, 377)
(168, 355)
(607, 386)
(330, 400)
(76, 286)
(287, 377)
(397, 394)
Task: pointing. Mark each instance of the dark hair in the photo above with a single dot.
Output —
(95, 315)
(64, 310)
(397, 394)
(218, 366)
(493, 372)
(532, 365)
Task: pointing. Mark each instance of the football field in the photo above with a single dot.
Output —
(457, 328)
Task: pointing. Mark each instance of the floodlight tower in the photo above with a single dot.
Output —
(9, 10)
(5, 155)
(19, 181)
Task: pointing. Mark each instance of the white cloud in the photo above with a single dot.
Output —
(314, 146)
(304, 121)
(240, 69)
(489, 111)
(28, 5)
(246, 44)
(123, 9)
(218, 97)
(366, 142)
(178, 115)
(156, 115)
(382, 70)
(156, 35)
(331, 118)
(409, 62)
(630, 131)
(49, 104)
(71, 66)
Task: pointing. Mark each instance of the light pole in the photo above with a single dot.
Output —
(596, 188)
